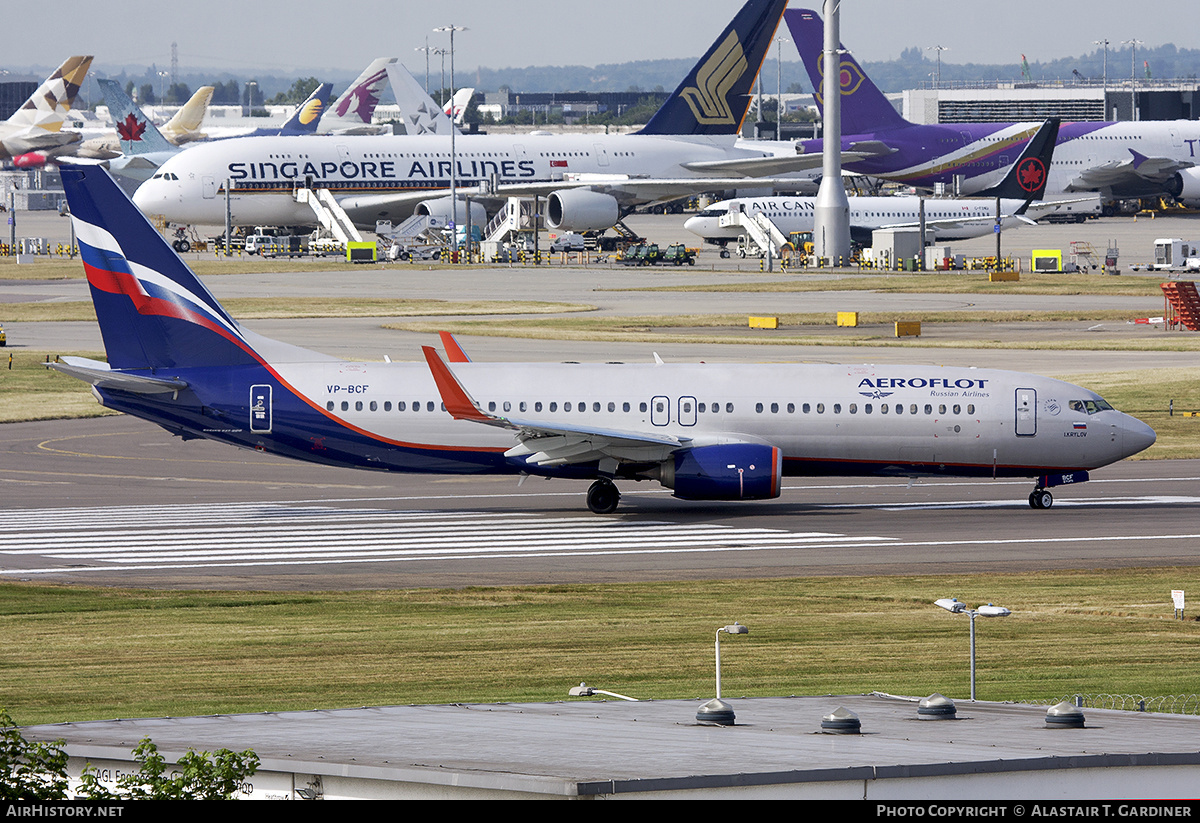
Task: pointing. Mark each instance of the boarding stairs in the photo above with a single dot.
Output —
(518, 215)
(760, 228)
(332, 218)
(418, 231)
(1182, 305)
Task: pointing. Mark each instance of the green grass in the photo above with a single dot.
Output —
(261, 308)
(970, 282)
(75, 653)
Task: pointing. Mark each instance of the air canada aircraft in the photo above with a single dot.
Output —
(1115, 159)
(945, 219)
(706, 431)
(689, 146)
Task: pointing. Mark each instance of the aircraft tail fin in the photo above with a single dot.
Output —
(1026, 179)
(185, 125)
(457, 107)
(154, 313)
(308, 115)
(419, 114)
(47, 108)
(137, 135)
(715, 95)
(356, 106)
(864, 108)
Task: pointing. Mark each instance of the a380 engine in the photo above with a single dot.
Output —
(581, 210)
(733, 471)
(1185, 186)
(441, 208)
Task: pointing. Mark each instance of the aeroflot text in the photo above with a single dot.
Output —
(921, 383)
(1034, 810)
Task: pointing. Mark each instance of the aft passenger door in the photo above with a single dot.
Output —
(1026, 424)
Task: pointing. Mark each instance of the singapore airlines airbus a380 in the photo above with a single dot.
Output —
(689, 146)
(706, 431)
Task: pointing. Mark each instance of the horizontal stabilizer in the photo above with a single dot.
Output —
(102, 376)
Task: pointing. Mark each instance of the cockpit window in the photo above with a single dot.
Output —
(1090, 406)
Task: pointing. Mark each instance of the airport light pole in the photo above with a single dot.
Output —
(1104, 43)
(425, 49)
(1133, 44)
(453, 154)
(937, 77)
(442, 89)
(831, 211)
(956, 606)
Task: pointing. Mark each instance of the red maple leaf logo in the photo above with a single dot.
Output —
(131, 129)
(1030, 174)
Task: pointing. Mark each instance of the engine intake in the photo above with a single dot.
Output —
(734, 471)
(581, 210)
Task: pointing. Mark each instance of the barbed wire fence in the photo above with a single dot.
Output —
(1164, 704)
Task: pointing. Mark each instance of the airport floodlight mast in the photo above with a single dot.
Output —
(427, 50)
(937, 75)
(453, 155)
(1133, 44)
(1104, 43)
(956, 606)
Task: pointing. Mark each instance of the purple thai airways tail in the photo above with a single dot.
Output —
(864, 108)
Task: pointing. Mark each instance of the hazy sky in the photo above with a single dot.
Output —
(305, 36)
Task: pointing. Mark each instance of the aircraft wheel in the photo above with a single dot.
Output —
(1041, 499)
(603, 496)
(185, 245)
(724, 254)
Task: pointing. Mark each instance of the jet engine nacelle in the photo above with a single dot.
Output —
(582, 210)
(442, 207)
(1185, 186)
(733, 471)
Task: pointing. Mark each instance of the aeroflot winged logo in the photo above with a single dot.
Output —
(714, 79)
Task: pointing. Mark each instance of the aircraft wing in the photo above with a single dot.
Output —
(628, 191)
(787, 163)
(1138, 169)
(552, 444)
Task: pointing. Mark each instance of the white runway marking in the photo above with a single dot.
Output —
(256, 534)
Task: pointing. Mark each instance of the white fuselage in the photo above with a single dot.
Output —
(825, 419)
(945, 219)
(265, 170)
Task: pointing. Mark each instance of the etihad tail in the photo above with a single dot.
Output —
(154, 313)
(135, 132)
(714, 97)
(864, 108)
(1026, 179)
(308, 115)
(185, 125)
(47, 108)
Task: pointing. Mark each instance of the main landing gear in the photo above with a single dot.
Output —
(1040, 499)
(603, 496)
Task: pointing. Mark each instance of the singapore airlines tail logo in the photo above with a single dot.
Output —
(719, 74)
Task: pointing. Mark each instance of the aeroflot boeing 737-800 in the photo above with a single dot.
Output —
(707, 431)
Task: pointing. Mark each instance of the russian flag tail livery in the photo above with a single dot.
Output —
(153, 312)
(864, 108)
(714, 97)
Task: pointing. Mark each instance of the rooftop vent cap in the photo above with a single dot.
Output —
(841, 721)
